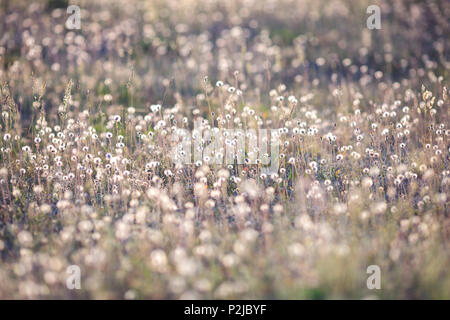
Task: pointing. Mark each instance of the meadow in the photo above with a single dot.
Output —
(89, 118)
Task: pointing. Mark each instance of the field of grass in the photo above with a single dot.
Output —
(89, 118)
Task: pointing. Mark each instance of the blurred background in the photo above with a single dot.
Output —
(145, 52)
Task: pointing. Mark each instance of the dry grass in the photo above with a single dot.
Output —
(87, 179)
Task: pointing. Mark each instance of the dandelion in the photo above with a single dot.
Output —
(155, 108)
(368, 160)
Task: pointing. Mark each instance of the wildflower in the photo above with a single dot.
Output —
(25, 238)
(155, 108)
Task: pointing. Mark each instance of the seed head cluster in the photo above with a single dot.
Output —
(89, 117)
